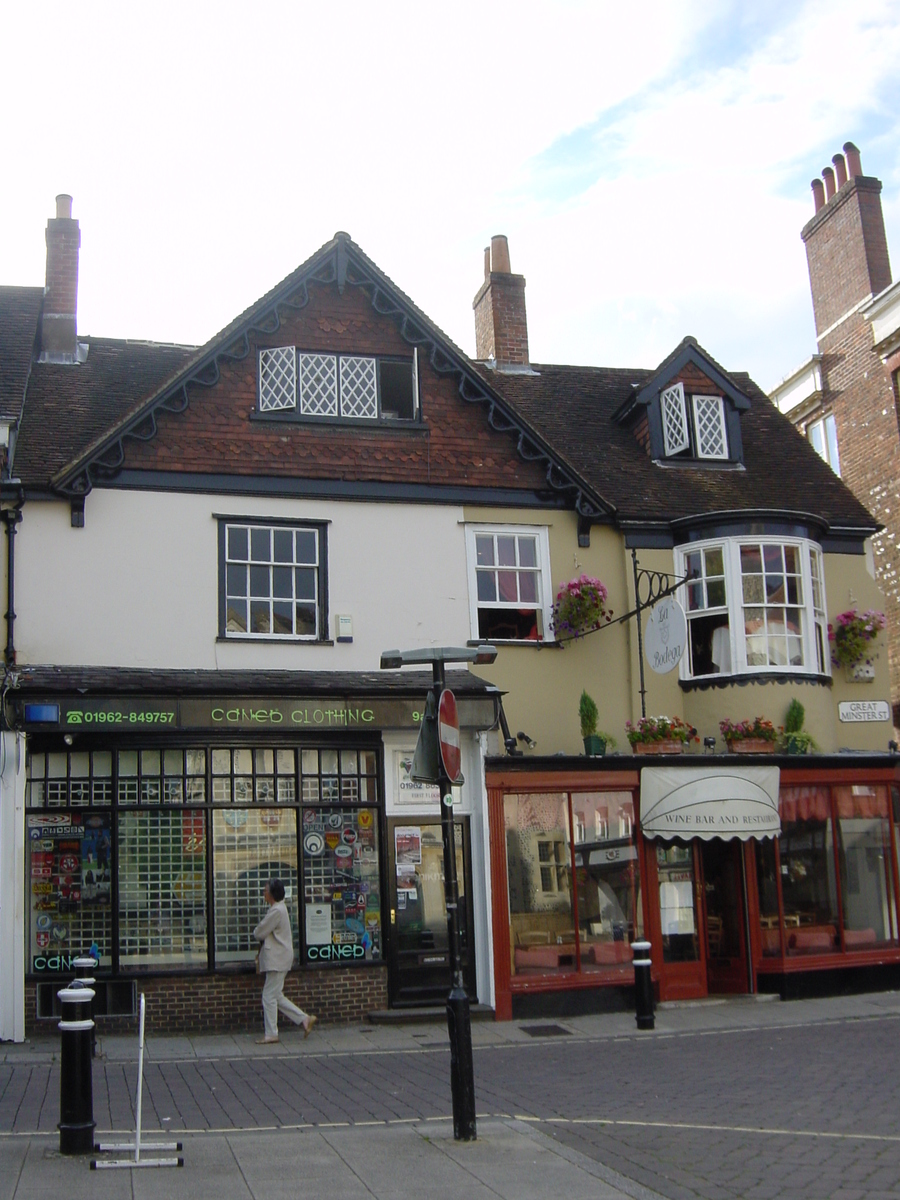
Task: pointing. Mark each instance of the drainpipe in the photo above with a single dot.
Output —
(11, 518)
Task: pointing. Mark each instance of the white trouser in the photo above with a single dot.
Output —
(274, 999)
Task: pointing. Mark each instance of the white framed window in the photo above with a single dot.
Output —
(823, 435)
(753, 605)
(339, 386)
(695, 431)
(277, 379)
(272, 580)
(509, 582)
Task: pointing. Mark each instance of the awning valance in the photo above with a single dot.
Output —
(710, 802)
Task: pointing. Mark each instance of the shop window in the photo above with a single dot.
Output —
(808, 880)
(162, 890)
(341, 873)
(677, 902)
(509, 582)
(70, 886)
(338, 776)
(243, 775)
(272, 581)
(348, 387)
(74, 779)
(752, 606)
(161, 776)
(608, 893)
(559, 924)
(865, 855)
(250, 847)
(767, 888)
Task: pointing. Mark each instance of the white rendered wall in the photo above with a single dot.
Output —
(138, 585)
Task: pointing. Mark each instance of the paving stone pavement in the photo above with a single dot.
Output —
(722, 1100)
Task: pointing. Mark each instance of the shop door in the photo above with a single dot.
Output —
(723, 890)
(682, 969)
(418, 953)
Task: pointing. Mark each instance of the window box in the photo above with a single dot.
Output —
(667, 747)
(751, 746)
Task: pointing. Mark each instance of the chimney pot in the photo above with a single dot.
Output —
(854, 166)
(828, 176)
(487, 262)
(840, 168)
(500, 255)
(818, 189)
(64, 207)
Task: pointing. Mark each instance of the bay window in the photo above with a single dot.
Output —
(754, 604)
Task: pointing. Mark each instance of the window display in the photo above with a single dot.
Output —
(808, 878)
(864, 851)
(162, 889)
(70, 874)
(341, 885)
(607, 879)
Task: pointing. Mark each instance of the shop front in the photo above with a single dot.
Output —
(153, 821)
(743, 878)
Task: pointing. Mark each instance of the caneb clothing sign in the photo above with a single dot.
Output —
(710, 802)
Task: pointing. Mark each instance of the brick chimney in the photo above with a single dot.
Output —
(58, 325)
(501, 331)
(846, 246)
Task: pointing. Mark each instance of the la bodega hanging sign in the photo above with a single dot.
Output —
(666, 635)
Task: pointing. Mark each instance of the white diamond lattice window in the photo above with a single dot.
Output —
(359, 395)
(674, 419)
(277, 379)
(318, 385)
(709, 422)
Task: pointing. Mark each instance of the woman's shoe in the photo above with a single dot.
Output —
(266, 1041)
(308, 1028)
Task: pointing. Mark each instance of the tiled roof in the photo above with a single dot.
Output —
(573, 408)
(70, 406)
(20, 309)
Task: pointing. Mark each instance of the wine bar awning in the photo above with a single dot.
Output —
(710, 802)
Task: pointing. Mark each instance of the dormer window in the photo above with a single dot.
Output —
(340, 387)
(695, 428)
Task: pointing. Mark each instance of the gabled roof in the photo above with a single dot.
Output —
(342, 262)
(687, 351)
(578, 410)
(20, 310)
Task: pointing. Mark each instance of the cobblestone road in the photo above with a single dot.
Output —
(801, 1112)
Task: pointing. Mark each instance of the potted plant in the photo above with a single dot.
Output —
(660, 735)
(749, 737)
(851, 636)
(596, 742)
(796, 739)
(580, 606)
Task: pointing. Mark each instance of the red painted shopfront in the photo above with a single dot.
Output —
(731, 902)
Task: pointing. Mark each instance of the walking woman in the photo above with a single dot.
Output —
(276, 957)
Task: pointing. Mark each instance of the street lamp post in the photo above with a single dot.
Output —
(434, 752)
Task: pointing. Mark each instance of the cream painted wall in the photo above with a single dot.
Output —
(137, 586)
(543, 684)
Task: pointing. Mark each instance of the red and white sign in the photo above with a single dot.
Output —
(448, 734)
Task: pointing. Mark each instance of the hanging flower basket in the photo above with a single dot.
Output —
(749, 737)
(660, 735)
(579, 608)
(851, 636)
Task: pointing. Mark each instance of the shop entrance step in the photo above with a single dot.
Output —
(426, 1014)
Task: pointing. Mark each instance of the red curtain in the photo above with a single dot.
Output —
(811, 803)
(861, 801)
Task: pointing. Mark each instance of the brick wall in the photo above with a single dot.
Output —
(231, 1003)
(846, 248)
(453, 445)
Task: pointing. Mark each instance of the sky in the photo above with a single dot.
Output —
(650, 163)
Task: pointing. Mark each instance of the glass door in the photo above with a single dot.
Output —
(418, 952)
(683, 966)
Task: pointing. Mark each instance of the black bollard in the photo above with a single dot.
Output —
(76, 1088)
(643, 986)
(85, 978)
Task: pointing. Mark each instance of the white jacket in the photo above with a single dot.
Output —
(274, 931)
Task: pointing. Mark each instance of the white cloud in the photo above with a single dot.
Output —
(649, 163)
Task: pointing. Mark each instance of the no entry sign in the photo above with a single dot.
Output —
(448, 734)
